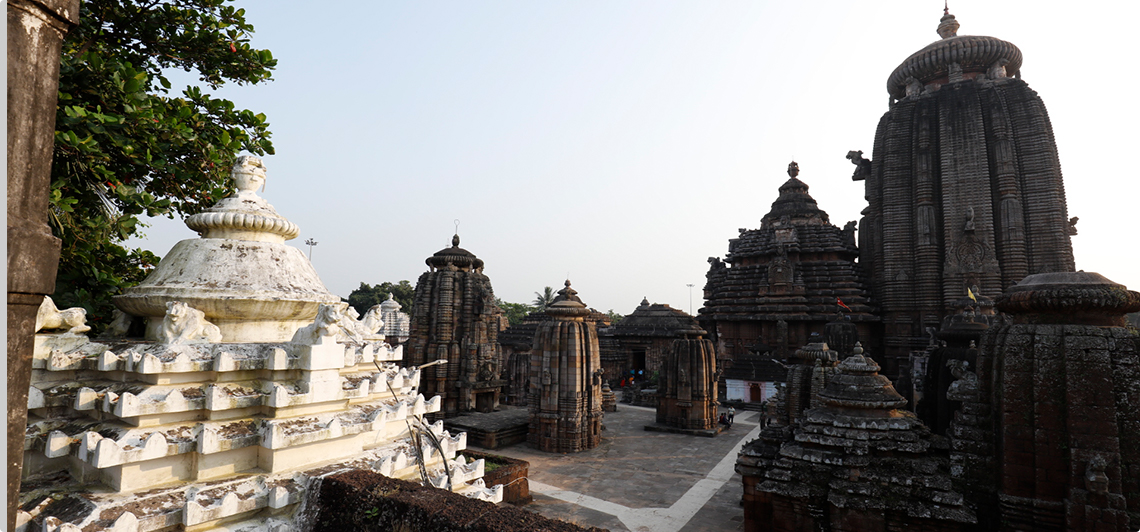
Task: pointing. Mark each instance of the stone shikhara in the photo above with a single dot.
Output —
(565, 396)
(454, 318)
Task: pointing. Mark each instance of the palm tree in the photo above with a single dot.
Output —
(544, 299)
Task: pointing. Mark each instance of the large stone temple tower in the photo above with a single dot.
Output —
(454, 319)
(964, 187)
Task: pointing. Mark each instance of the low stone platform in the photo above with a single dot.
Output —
(708, 433)
(493, 430)
(367, 501)
(510, 473)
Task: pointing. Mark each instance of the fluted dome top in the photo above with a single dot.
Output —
(816, 349)
(1069, 297)
(390, 305)
(567, 304)
(245, 215)
(973, 53)
(454, 256)
(859, 385)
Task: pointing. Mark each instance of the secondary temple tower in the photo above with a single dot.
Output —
(566, 379)
(782, 282)
(454, 319)
(964, 188)
(687, 389)
(1048, 435)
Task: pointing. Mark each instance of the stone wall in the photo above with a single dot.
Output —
(509, 473)
(366, 501)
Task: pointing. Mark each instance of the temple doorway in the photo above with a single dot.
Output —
(485, 402)
(638, 362)
(755, 392)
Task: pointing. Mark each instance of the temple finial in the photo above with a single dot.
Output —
(948, 26)
(793, 169)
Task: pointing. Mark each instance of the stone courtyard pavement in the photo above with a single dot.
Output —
(643, 481)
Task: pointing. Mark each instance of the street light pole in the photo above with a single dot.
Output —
(690, 285)
(310, 242)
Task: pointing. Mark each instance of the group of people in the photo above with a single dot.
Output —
(726, 418)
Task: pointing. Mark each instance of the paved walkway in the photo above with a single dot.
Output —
(643, 481)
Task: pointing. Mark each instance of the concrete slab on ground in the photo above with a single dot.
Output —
(643, 481)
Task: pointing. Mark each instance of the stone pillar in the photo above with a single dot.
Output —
(566, 379)
(35, 35)
(1064, 384)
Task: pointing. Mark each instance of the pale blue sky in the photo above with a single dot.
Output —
(624, 142)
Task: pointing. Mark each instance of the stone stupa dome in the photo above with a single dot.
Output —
(240, 273)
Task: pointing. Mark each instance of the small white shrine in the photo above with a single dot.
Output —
(252, 382)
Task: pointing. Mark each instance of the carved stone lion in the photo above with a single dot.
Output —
(997, 70)
(120, 324)
(184, 324)
(373, 321)
(862, 165)
(913, 87)
(49, 317)
(326, 324)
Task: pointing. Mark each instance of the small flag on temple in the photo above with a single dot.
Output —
(971, 294)
(840, 303)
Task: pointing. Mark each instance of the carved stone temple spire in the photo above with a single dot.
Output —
(861, 460)
(454, 318)
(965, 187)
(565, 398)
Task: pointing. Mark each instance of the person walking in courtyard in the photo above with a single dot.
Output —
(731, 415)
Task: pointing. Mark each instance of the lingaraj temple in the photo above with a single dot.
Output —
(937, 365)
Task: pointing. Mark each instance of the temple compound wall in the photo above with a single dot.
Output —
(454, 318)
(253, 381)
(964, 188)
(565, 397)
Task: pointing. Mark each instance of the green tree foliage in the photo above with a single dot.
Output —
(126, 147)
(544, 299)
(614, 316)
(366, 296)
(515, 312)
